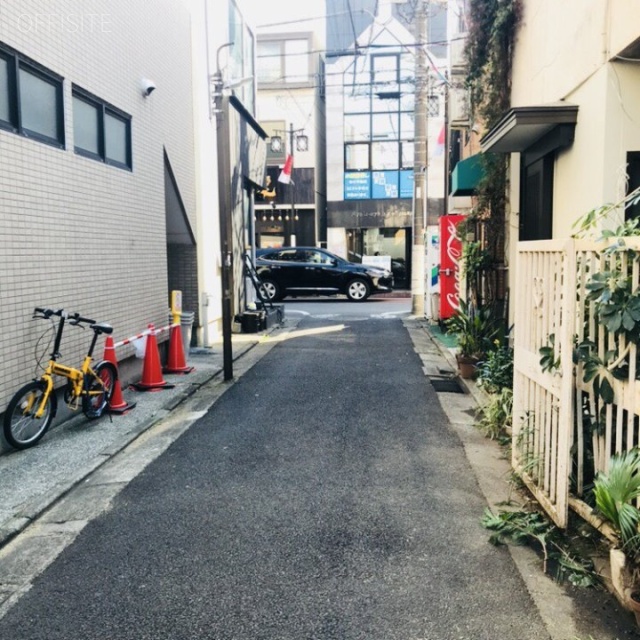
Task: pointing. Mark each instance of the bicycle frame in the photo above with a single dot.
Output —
(75, 376)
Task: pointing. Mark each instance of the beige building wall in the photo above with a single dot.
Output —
(74, 232)
(566, 51)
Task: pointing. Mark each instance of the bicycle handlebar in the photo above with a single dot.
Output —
(74, 318)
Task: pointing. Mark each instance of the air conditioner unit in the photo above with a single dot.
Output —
(458, 107)
(457, 59)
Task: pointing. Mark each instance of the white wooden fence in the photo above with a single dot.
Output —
(563, 434)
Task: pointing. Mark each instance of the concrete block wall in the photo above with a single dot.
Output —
(75, 232)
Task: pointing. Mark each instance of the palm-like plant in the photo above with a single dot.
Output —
(476, 329)
(615, 492)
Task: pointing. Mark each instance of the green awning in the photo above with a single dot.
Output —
(466, 176)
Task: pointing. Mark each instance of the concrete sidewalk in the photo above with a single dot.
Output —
(33, 479)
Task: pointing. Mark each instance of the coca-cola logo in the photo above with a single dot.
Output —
(454, 253)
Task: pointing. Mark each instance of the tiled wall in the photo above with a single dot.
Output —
(183, 276)
(74, 232)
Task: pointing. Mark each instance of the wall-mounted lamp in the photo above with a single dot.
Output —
(147, 86)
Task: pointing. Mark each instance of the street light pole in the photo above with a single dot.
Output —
(420, 167)
(292, 186)
(302, 144)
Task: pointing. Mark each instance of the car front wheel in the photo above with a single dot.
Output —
(270, 290)
(358, 290)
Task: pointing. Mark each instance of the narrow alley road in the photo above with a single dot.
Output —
(323, 497)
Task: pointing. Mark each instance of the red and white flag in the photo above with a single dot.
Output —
(285, 174)
(442, 137)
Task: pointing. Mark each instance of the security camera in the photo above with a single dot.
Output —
(147, 86)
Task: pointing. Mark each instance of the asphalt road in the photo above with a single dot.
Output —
(323, 497)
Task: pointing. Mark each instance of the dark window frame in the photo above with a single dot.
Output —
(15, 62)
(104, 108)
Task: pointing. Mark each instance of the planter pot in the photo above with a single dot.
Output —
(633, 602)
(622, 580)
(620, 575)
(467, 366)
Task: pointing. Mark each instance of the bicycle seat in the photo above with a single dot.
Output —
(101, 327)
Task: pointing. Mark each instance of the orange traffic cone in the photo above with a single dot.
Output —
(117, 403)
(152, 379)
(176, 362)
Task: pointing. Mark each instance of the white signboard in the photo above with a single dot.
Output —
(383, 262)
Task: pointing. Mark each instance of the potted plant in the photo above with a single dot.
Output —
(476, 329)
(615, 493)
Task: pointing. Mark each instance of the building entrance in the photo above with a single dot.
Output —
(391, 242)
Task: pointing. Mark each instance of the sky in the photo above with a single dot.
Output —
(266, 12)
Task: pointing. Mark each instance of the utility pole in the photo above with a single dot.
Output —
(221, 110)
(420, 166)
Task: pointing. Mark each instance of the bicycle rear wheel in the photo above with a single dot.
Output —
(21, 427)
(98, 389)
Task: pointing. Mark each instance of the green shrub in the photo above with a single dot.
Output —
(495, 372)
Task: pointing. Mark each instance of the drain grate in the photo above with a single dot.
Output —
(446, 385)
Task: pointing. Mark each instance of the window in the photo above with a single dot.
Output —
(633, 182)
(385, 155)
(4, 90)
(384, 126)
(86, 126)
(284, 61)
(240, 61)
(357, 157)
(357, 127)
(357, 98)
(269, 63)
(385, 69)
(30, 99)
(101, 131)
(286, 255)
(378, 131)
(385, 101)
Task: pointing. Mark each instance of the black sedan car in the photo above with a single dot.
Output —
(290, 271)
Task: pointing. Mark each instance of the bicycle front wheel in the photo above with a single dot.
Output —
(21, 427)
(99, 387)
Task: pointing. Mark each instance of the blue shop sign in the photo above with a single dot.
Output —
(357, 185)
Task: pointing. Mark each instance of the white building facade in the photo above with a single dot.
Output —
(97, 168)
(371, 97)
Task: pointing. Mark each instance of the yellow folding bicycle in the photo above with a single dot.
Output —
(32, 409)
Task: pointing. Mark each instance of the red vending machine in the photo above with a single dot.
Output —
(450, 263)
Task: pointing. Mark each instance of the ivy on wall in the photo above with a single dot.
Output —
(492, 28)
(489, 49)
